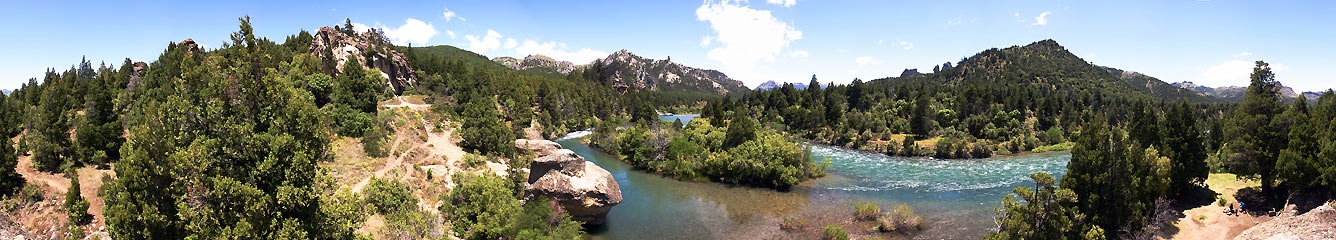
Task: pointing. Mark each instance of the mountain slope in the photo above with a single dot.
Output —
(1235, 93)
(625, 71)
(537, 63)
(769, 85)
(1047, 65)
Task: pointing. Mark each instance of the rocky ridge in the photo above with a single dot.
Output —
(370, 48)
(1235, 93)
(625, 71)
(536, 61)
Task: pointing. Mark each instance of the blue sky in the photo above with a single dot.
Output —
(1211, 43)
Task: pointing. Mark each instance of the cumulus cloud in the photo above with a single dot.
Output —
(863, 61)
(413, 31)
(1231, 73)
(451, 15)
(705, 41)
(558, 51)
(906, 45)
(746, 36)
(488, 42)
(1042, 19)
(785, 3)
(798, 54)
(511, 43)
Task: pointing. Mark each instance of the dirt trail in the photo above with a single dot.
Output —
(391, 162)
(1210, 222)
(404, 103)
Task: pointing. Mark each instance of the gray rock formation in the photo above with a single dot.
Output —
(136, 73)
(536, 61)
(584, 191)
(625, 71)
(910, 72)
(370, 49)
(540, 147)
(190, 45)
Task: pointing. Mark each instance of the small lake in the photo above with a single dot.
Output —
(956, 198)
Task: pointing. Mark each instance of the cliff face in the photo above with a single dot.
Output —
(625, 71)
(370, 48)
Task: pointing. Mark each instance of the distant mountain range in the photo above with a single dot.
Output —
(626, 71)
(768, 85)
(1235, 93)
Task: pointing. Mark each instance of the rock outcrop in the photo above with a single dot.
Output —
(370, 49)
(190, 46)
(136, 74)
(540, 147)
(1318, 223)
(536, 61)
(910, 72)
(625, 71)
(583, 190)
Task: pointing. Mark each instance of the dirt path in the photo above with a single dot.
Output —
(1210, 222)
(404, 103)
(55, 183)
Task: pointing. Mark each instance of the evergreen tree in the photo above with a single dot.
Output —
(740, 129)
(358, 87)
(51, 144)
(75, 205)
(1297, 164)
(483, 129)
(10, 180)
(1255, 138)
(1116, 181)
(1045, 214)
(921, 124)
(1183, 145)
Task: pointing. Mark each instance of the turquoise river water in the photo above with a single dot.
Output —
(956, 198)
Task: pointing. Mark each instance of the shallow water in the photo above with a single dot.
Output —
(955, 197)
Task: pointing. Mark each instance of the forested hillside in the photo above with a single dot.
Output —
(998, 101)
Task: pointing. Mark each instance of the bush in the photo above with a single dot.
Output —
(867, 211)
(832, 232)
(791, 223)
(388, 196)
(32, 193)
(75, 205)
(373, 142)
(349, 122)
(1220, 200)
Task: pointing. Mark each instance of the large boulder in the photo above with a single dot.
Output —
(586, 192)
(540, 147)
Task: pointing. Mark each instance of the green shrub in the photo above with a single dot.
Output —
(832, 232)
(388, 196)
(867, 211)
(1220, 200)
(791, 223)
(32, 193)
(349, 122)
(373, 142)
(473, 160)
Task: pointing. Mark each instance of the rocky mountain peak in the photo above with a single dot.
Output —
(370, 49)
(625, 71)
(536, 61)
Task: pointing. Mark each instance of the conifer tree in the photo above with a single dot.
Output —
(1255, 138)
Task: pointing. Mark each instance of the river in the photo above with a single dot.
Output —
(956, 198)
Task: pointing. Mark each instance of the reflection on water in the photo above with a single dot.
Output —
(956, 198)
(686, 118)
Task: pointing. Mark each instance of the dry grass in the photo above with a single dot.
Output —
(1227, 184)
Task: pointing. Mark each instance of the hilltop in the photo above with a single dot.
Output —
(1235, 93)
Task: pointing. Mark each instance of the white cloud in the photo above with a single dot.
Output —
(1231, 73)
(798, 54)
(1243, 54)
(413, 31)
(879, 42)
(906, 45)
(451, 33)
(1042, 19)
(450, 15)
(1279, 67)
(1018, 14)
(511, 43)
(360, 28)
(955, 22)
(558, 51)
(785, 3)
(705, 41)
(746, 36)
(863, 61)
(488, 42)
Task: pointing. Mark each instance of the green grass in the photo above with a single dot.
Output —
(832, 232)
(1067, 146)
(1227, 184)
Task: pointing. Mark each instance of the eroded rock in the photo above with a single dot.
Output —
(584, 191)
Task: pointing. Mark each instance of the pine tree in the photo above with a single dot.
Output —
(1297, 164)
(1255, 138)
(740, 129)
(1045, 214)
(1183, 144)
(75, 205)
(10, 181)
